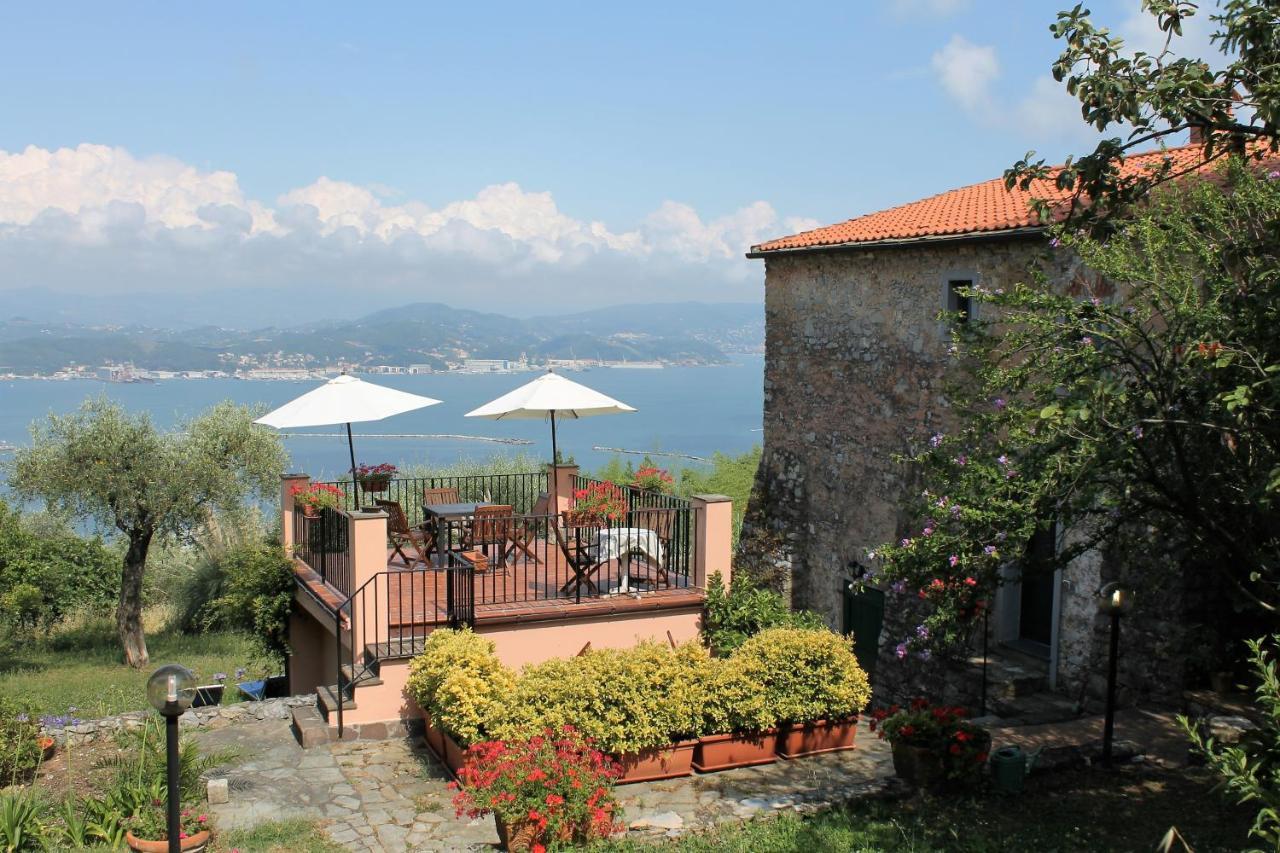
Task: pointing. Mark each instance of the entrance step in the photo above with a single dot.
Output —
(327, 702)
(1010, 676)
(1036, 709)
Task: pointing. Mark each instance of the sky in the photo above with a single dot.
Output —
(251, 164)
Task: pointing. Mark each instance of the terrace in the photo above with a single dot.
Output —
(539, 583)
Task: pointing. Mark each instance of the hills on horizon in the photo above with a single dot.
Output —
(418, 333)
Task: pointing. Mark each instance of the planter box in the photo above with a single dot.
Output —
(450, 753)
(209, 694)
(434, 738)
(923, 766)
(193, 844)
(376, 484)
(799, 739)
(741, 749)
(659, 762)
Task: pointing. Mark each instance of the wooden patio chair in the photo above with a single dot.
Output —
(575, 543)
(663, 523)
(492, 526)
(401, 534)
(526, 532)
(446, 495)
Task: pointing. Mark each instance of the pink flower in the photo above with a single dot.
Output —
(953, 560)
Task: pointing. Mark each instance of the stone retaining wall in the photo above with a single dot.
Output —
(209, 717)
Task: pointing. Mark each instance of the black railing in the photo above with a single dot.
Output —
(520, 491)
(321, 542)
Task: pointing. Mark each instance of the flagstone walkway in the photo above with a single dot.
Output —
(391, 795)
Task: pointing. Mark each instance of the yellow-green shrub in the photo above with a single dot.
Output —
(804, 674)
(459, 681)
(625, 700)
(734, 700)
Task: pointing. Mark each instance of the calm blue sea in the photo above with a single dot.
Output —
(686, 410)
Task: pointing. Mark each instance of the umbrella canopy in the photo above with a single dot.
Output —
(344, 400)
(550, 395)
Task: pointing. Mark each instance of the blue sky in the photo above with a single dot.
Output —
(668, 125)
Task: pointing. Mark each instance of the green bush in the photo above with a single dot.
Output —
(625, 700)
(734, 701)
(744, 610)
(805, 674)
(459, 681)
(20, 825)
(47, 571)
(19, 749)
(258, 595)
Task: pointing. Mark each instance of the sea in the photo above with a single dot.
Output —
(685, 415)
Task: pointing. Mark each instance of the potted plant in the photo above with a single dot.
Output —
(739, 728)
(375, 478)
(651, 478)
(317, 496)
(147, 831)
(597, 504)
(48, 746)
(812, 684)
(933, 744)
(554, 788)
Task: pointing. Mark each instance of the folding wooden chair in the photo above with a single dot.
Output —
(575, 543)
(447, 495)
(662, 522)
(401, 534)
(526, 532)
(491, 526)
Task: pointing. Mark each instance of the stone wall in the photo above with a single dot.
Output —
(854, 371)
(210, 717)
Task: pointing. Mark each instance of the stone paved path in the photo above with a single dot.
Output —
(391, 795)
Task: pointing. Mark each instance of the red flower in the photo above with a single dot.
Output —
(980, 757)
(970, 582)
(956, 749)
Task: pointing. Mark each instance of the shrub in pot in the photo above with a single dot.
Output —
(458, 680)
(812, 684)
(738, 724)
(933, 744)
(553, 789)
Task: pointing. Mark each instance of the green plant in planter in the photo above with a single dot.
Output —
(744, 609)
(459, 681)
(805, 674)
(734, 701)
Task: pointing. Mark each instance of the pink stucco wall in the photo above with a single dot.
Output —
(522, 644)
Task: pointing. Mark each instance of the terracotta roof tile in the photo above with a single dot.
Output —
(984, 208)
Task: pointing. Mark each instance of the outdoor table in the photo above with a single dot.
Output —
(620, 543)
(441, 516)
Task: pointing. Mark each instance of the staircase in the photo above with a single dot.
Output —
(1018, 689)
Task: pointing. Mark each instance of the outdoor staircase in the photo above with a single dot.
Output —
(318, 724)
(1018, 689)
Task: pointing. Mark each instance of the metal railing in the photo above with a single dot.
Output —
(321, 541)
(520, 491)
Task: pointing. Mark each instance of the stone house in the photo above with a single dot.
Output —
(854, 367)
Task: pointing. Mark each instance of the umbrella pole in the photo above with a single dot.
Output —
(355, 484)
(555, 463)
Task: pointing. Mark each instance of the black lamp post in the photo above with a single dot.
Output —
(170, 690)
(1114, 600)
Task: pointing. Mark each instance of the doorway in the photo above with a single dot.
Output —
(1028, 602)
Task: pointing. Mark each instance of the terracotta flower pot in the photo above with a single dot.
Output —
(799, 739)
(738, 749)
(309, 511)
(519, 838)
(923, 766)
(659, 762)
(377, 483)
(48, 746)
(191, 844)
(434, 738)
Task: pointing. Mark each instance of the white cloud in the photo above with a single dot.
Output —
(966, 71)
(97, 218)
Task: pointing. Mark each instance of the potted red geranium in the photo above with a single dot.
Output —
(933, 744)
(651, 478)
(148, 830)
(551, 789)
(317, 496)
(375, 478)
(598, 503)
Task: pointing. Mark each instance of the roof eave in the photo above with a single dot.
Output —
(931, 239)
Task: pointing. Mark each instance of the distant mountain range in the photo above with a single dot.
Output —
(420, 333)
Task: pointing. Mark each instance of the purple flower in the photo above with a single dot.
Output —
(1097, 303)
(953, 560)
(22, 718)
(1137, 430)
(1273, 175)
(998, 404)
(955, 510)
(989, 550)
(901, 651)
(1087, 341)
(962, 460)
(922, 631)
(1002, 459)
(936, 440)
(906, 543)
(1000, 537)
(1055, 243)
(928, 531)
(899, 587)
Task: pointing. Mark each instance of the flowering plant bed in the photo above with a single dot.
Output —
(657, 762)
(651, 478)
(317, 496)
(598, 503)
(375, 478)
(737, 749)
(816, 737)
(932, 743)
(551, 789)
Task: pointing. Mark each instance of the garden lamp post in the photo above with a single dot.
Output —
(170, 690)
(1114, 600)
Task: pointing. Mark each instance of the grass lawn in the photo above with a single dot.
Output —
(80, 666)
(285, 836)
(1085, 810)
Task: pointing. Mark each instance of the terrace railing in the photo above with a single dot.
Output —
(518, 490)
(321, 541)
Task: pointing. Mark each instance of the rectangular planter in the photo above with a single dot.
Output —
(739, 749)
(659, 762)
(434, 738)
(209, 694)
(813, 738)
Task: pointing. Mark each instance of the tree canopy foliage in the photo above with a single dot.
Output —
(105, 464)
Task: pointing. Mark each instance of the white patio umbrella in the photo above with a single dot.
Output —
(550, 395)
(344, 400)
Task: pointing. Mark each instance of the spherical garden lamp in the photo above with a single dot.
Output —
(1114, 600)
(171, 690)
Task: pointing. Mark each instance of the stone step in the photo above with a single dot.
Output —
(327, 701)
(1036, 709)
(1010, 679)
(367, 677)
(309, 726)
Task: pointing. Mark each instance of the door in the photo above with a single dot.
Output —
(863, 617)
(1038, 589)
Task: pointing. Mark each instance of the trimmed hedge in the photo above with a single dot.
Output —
(460, 682)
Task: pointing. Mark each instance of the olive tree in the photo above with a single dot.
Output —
(105, 464)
